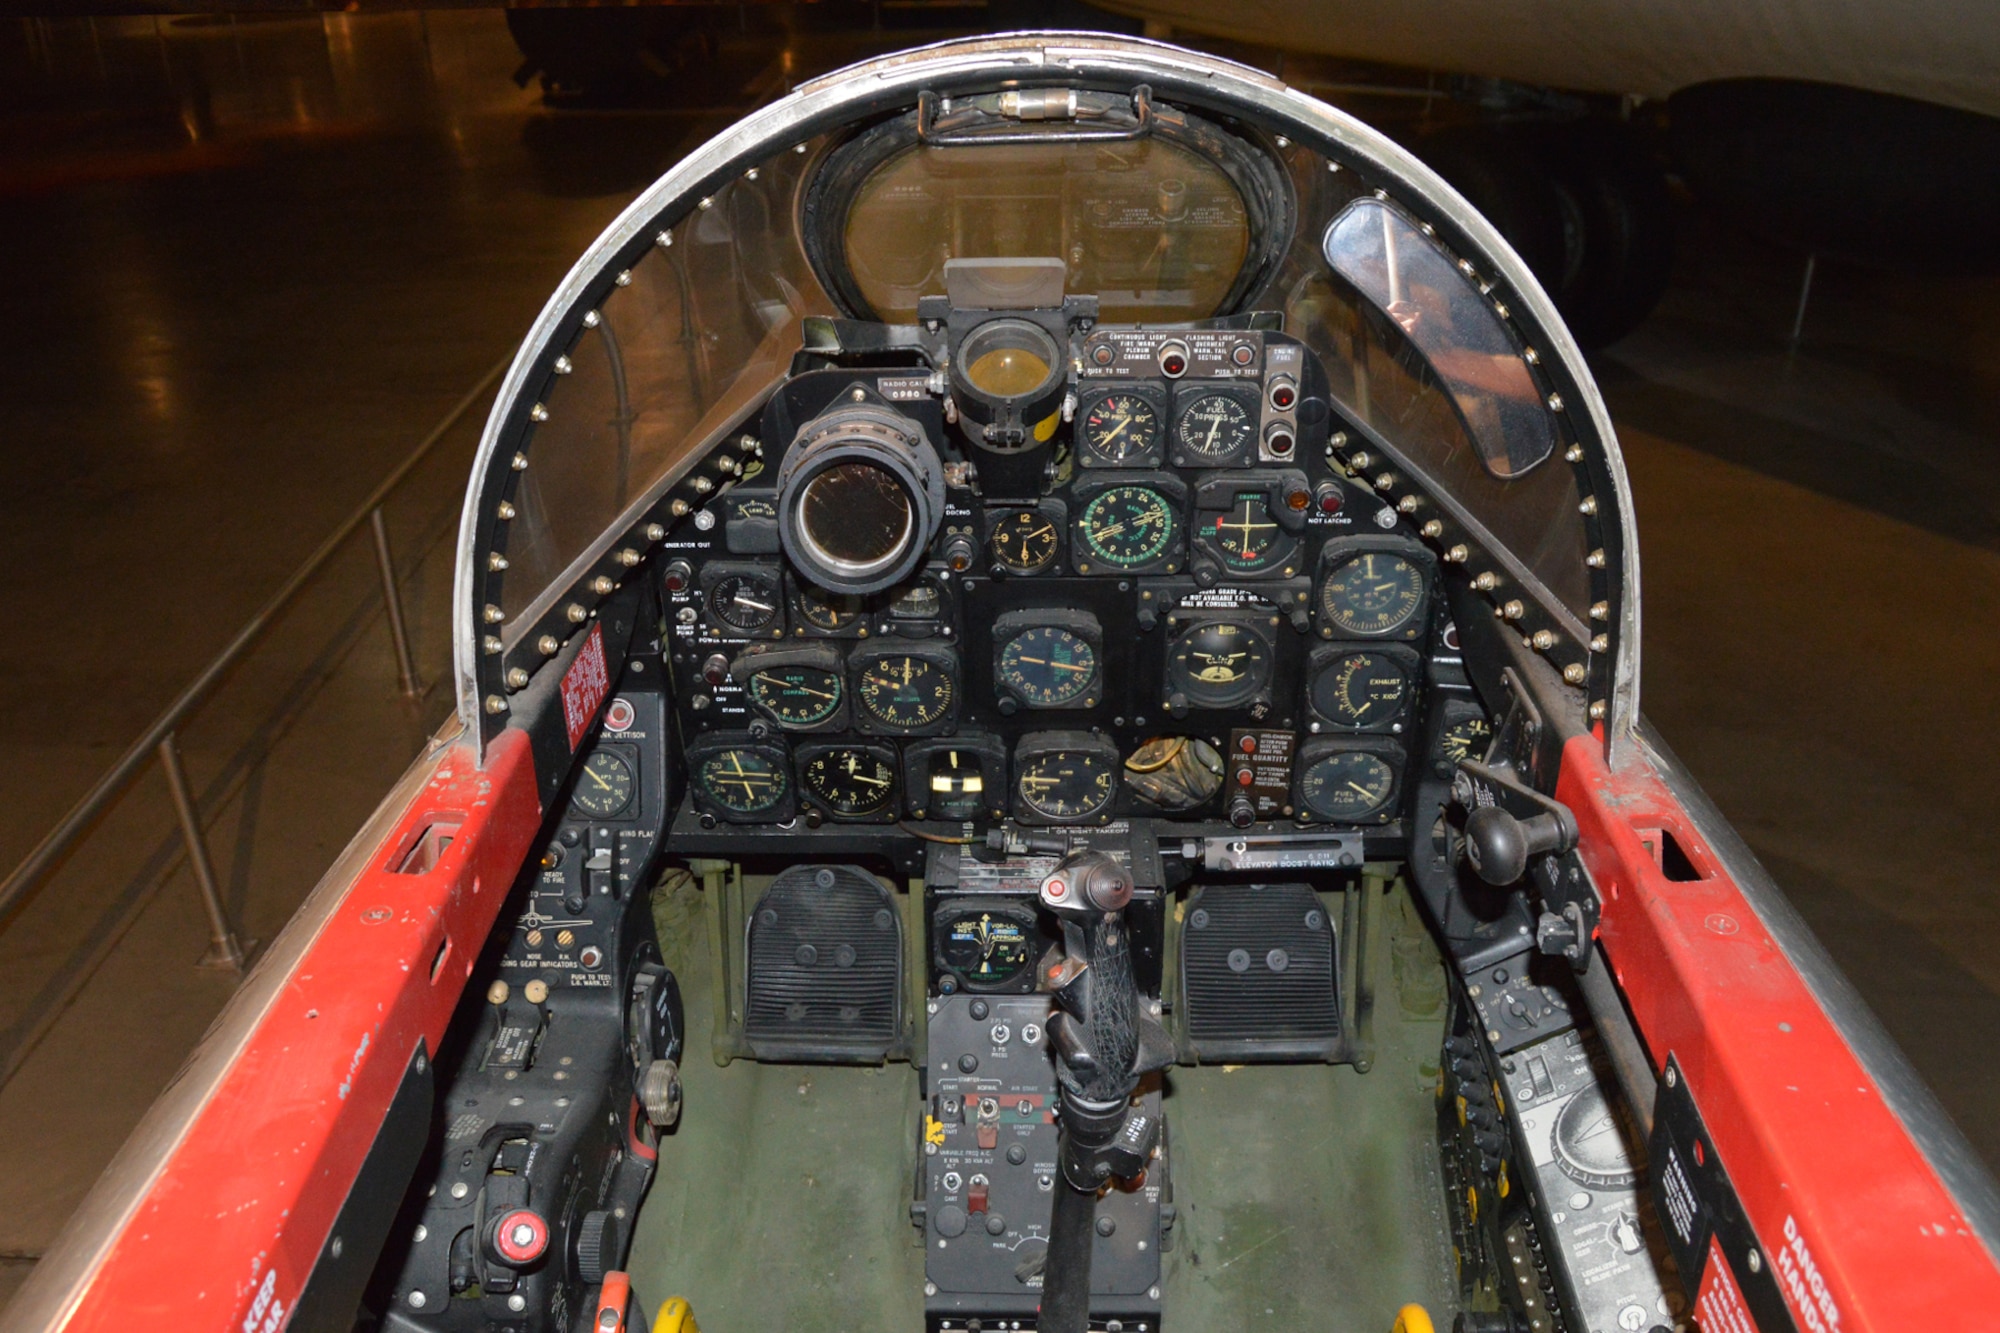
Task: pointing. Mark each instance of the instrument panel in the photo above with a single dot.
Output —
(1109, 592)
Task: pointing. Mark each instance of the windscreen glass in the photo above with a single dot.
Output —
(695, 333)
(1155, 230)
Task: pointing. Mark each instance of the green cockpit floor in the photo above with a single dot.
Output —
(1308, 1195)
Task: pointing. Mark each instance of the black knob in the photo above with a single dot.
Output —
(1242, 814)
(716, 669)
(596, 1247)
(1499, 845)
(958, 554)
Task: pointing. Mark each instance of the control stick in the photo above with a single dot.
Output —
(1103, 1042)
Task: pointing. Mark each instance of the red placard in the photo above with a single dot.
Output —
(584, 686)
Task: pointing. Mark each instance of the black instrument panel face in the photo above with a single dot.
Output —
(1180, 563)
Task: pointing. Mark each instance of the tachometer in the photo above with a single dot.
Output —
(1129, 528)
(1045, 666)
(907, 690)
(849, 781)
(1464, 739)
(1375, 594)
(1362, 691)
(1346, 786)
(1118, 428)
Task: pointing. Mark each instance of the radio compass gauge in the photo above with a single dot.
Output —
(1064, 777)
(1217, 664)
(746, 601)
(905, 691)
(604, 787)
(1362, 691)
(1128, 529)
(1464, 739)
(1046, 665)
(1025, 541)
(1345, 785)
(740, 781)
(1213, 428)
(1120, 427)
(795, 696)
(1372, 594)
(986, 946)
(849, 781)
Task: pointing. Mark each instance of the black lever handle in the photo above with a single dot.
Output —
(1500, 846)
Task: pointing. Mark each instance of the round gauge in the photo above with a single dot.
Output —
(604, 788)
(904, 691)
(1175, 772)
(1465, 739)
(1247, 537)
(955, 786)
(825, 611)
(747, 602)
(1217, 663)
(1120, 426)
(1128, 526)
(1048, 666)
(1068, 784)
(1372, 593)
(851, 781)
(1214, 426)
(1024, 541)
(743, 780)
(1348, 785)
(1361, 690)
(796, 696)
(986, 949)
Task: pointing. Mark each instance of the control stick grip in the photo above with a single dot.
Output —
(1500, 846)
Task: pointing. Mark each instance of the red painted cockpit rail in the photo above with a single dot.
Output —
(235, 1219)
(1860, 1230)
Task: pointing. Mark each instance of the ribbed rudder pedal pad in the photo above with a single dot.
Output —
(825, 977)
(1259, 980)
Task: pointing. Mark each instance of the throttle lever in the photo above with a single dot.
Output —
(1508, 825)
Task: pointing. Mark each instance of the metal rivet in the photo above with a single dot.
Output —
(655, 532)
(624, 278)
(665, 240)
(1532, 357)
(538, 413)
(492, 614)
(1756, 1262)
(1673, 1077)
(548, 645)
(1434, 528)
(1589, 505)
(1486, 581)
(1407, 505)
(679, 507)
(1544, 639)
(1597, 710)
(495, 704)
(1574, 673)
(1573, 454)
(1600, 610)
(576, 613)
(1457, 555)
(702, 485)
(602, 585)
(750, 175)
(416, 1299)
(1500, 309)
(628, 557)
(1513, 610)
(1595, 560)
(517, 678)
(1283, 142)
(591, 319)
(706, 202)
(492, 645)
(421, 1234)
(519, 463)
(563, 367)
(1600, 643)
(1385, 481)
(503, 511)
(336, 1247)
(517, 1302)
(1360, 458)
(1555, 402)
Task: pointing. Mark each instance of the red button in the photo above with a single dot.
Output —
(1244, 777)
(521, 1236)
(1248, 745)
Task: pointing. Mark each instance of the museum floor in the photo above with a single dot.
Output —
(246, 266)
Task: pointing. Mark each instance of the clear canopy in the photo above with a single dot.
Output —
(684, 317)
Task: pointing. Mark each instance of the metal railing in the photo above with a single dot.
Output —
(160, 742)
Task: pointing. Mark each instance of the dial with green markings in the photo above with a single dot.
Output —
(1128, 526)
(796, 696)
